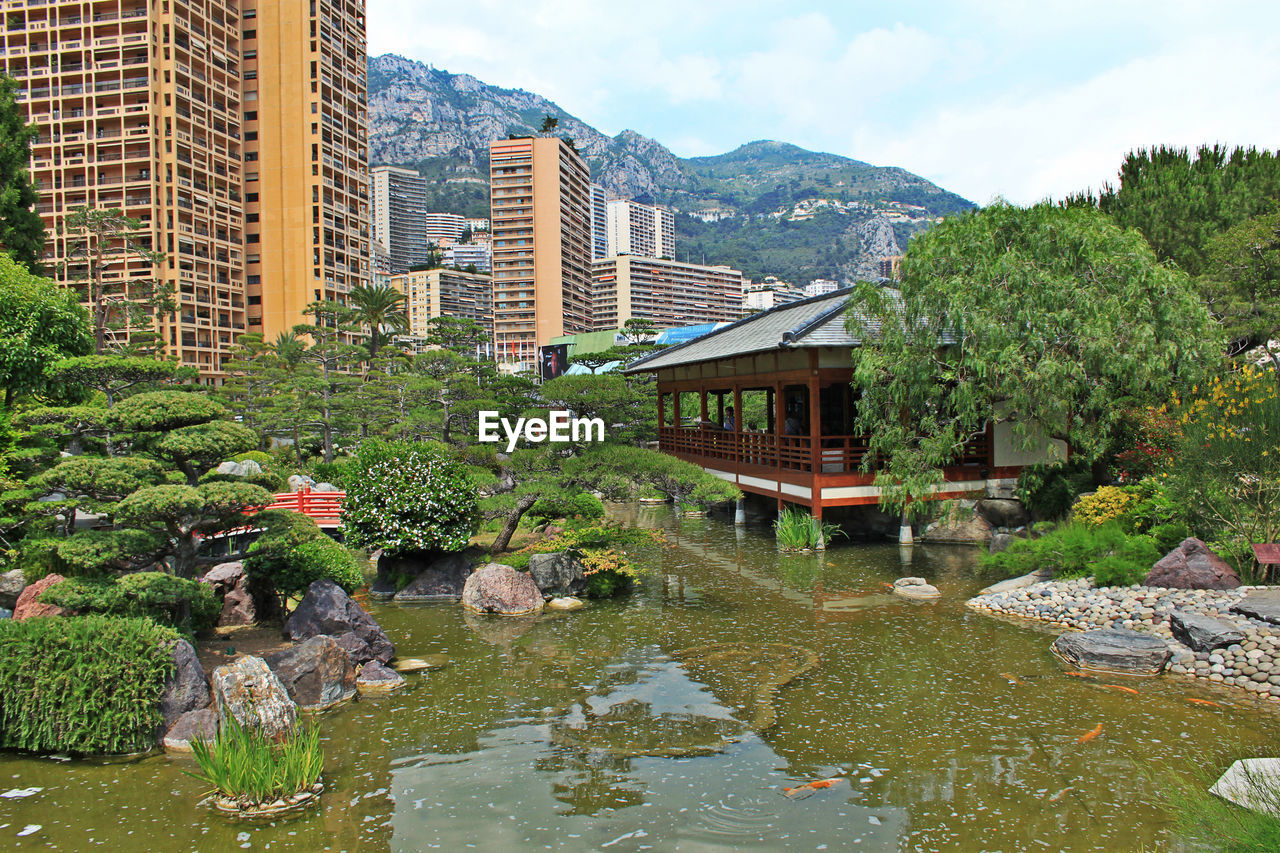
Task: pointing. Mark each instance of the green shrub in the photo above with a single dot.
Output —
(1048, 491)
(337, 472)
(293, 551)
(608, 584)
(187, 605)
(88, 685)
(798, 530)
(266, 460)
(580, 505)
(1079, 550)
(409, 497)
(1108, 503)
(243, 764)
(606, 551)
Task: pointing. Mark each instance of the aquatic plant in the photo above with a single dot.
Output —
(1228, 828)
(797, 530)
(86, 685)
(243, 764)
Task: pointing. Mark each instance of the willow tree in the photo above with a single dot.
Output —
(1054, 319)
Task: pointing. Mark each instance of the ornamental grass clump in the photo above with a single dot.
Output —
(797, 530)
(243, 765)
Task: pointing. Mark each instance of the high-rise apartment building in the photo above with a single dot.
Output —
(599, 223)
(203, 120)
(306, 156)
(669, 293)
(446, 293)
(540, 220)
(444, 228)
(399, 210)
(467, 255)
(821, 287)
(641, 229)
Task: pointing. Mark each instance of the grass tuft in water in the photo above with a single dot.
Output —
(243, 764)
(1222, 825)
(797, 530)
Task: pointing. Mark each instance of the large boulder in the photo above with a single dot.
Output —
(1192, 566)
(960, 525)
(28, 606)
(12, 583)
(251, 694)
(500, 589)
(231, 585)
(557, 575)
(1114, 650)
(193, 725)
(1202, 633)
(1003, 513)
(327, 610)
(318, 674)
(441, 580)
(1263, 604)
(187, 689)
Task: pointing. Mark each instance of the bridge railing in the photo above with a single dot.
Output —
(314, 504)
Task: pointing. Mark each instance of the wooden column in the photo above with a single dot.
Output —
(720, 408)
(702, 396)
(737, 408)
(675, 409)
(779, 422)
(815, 416)
(661, 412)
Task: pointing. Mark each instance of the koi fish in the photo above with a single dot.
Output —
(1118, 687)
(1061, 794)
(1078, 674)
(1204, 702)
(1013, 679)
(808, 789)
(1088, 736)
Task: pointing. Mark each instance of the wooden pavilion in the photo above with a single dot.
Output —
(805, 451)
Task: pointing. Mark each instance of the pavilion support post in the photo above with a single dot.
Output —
(820, 544)
(780, 426)
(661, 412)
(815, 418)
(905, 536)
(702, 397)
(740, 511)
(720, 408)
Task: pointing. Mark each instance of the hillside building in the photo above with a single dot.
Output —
(468, 254)
(399, 212)
(444, 229)
(640, 229)
(599, 223)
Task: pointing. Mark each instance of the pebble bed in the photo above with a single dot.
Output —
(1253, 665)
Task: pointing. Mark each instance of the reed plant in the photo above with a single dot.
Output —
(1223, 826)
(243, 764)
(797, 530)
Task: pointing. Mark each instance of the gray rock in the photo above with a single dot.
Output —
(500, 589)
(1114, 649)
(1192, 566)
(566, 603)
(250, 468)
(441, 580)
(193, 725)
(6, 613)
(376, 678)
(229, 581)
(187, 689)
(1251, 783)
(557, 575)
(325, 487)
(12, 583)
(1003, 513)
(960, 526)
(1203, 633)
(228, 468)
(1000, 542)
(326, 609)
(1013, 584)
(298, 482)
(318, 674)
(251, 694)
(1260, 604)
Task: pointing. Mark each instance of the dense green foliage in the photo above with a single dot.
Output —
(1053, 319)
(614, 557)
(409, 497)
(244, 765)
(88, 685)
(186, 605)
(1079, 550)
(40, 324)
(292, 552)
(1220, 825)
(1049, 490)
(580, 505)
(22, 234)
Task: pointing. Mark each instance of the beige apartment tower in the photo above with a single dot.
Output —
(196, 118)
(446, 293)
(669, 293)
(541, 228)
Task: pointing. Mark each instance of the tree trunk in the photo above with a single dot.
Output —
(513, 521)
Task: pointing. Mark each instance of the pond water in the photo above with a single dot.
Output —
(675, 719)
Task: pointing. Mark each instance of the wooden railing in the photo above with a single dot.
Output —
(326, 505)
(836, 454)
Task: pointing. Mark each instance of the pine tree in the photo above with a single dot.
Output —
(21, 229)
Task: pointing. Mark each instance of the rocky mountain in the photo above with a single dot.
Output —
(769, 208)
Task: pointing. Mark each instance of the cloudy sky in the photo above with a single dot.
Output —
(986, 97)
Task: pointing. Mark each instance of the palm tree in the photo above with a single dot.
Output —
(381, 308)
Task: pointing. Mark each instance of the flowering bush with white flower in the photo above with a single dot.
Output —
(405, 497)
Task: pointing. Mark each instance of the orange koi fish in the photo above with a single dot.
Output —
(1118, 687)
(1012, 679)
(1078, 674)
(808, 789)
(1088, 736)
(1204, 702)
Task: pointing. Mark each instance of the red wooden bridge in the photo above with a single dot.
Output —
(325, 508)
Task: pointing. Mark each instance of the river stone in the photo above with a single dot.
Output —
(376, 677)
(251, 694)
(1115, 649)
(187, 688)
(566, 603)
(231, 585)
(420, 664)
(500, 589)
(6, 613)
(1203, 633)
(441, 580)
(1260, 604)
(326, 609)
(1192, 566)
(27, 605)
(1251, 783)
(1012, 584)
(915, 588)
(201, 724)
(1003, 513)
(318, 674)
(557, 574)
(12, 583)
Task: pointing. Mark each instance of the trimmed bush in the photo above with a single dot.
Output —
(85, 686)
(409, 497)
(1108, 503)
(1078, 550)
(293, 551)
(187, 605)
(580, 505)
